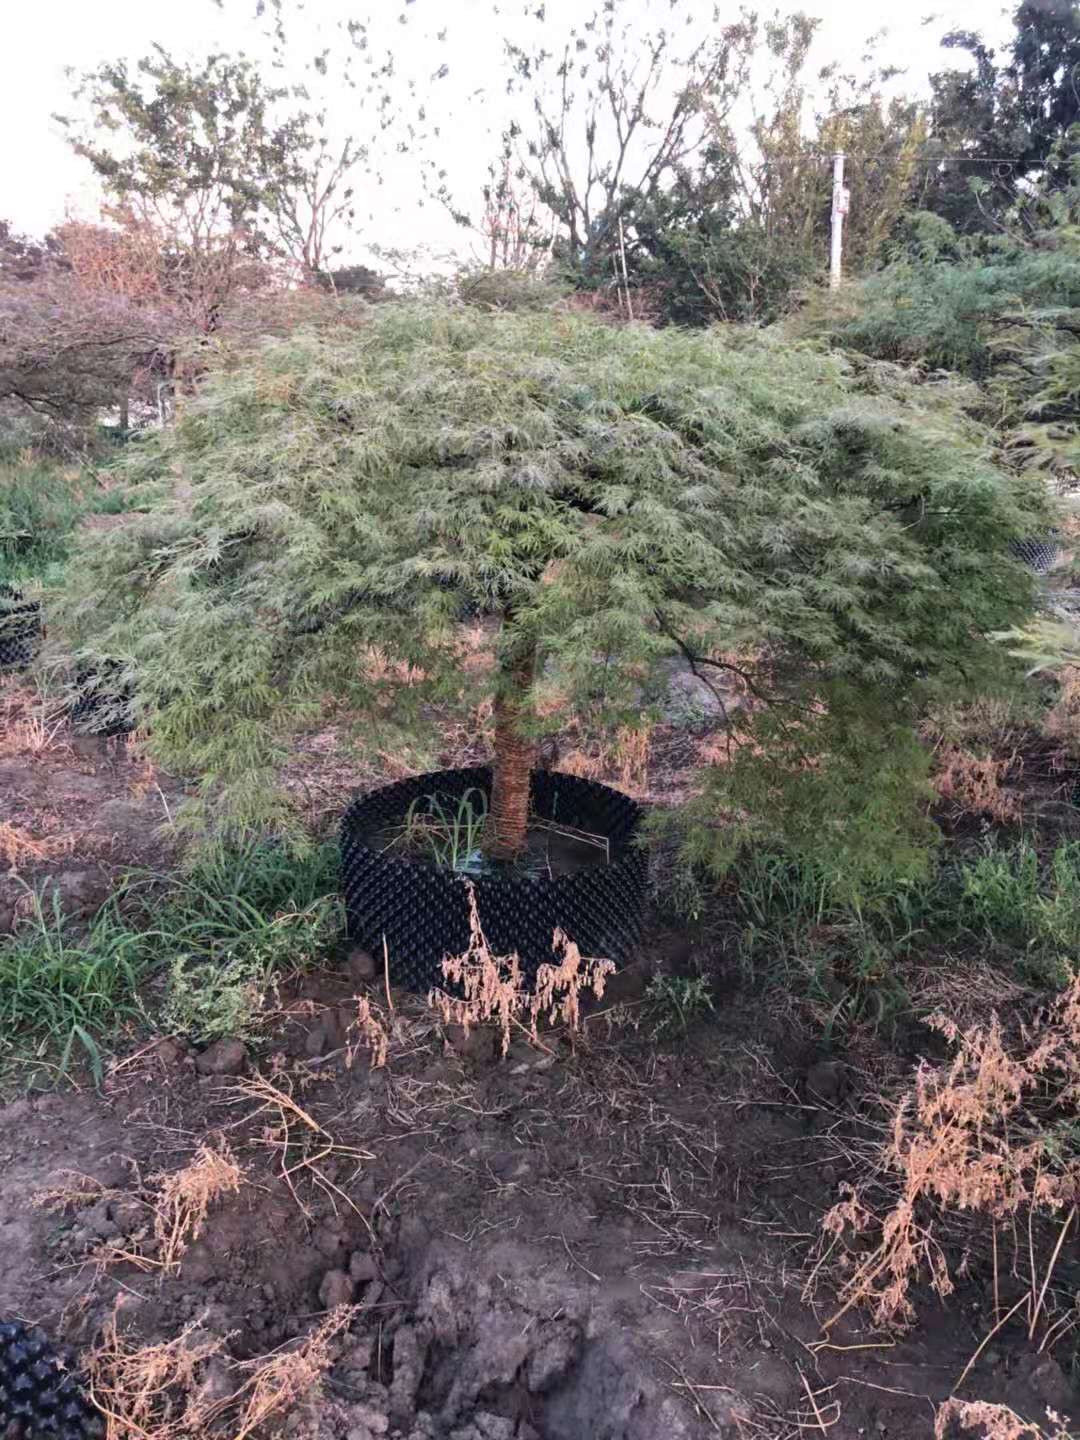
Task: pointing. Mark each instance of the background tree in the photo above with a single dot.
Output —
(1013, 117)
(612, 115)
(212, 151)
(742, 235)
(607, 496)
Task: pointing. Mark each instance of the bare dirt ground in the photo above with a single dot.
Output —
(613, 1235)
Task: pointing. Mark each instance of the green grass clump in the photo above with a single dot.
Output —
(42, 504)
(220, 936)
(243, 918)
(61, 991)
(1013, 905)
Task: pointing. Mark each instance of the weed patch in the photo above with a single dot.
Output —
(987, 1138)
(221, 934)
(41, 505)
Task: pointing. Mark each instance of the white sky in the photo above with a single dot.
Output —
(41, 180)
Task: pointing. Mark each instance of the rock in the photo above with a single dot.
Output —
(827, 1081)
(7, 919)
(486, 1426)
(554, 1354)
(689, 700)
(329, 1239)
(336, 1290)
(326, 1035)
(358, 1356)
(99, 1222)
(373, 1295)
(1047, 1382)
(362, 1267)
(366, 1420)
(128, 1215)
(169, 1052)
(361, 966)
(79, 892)
(223, 1057)
(409, 1355)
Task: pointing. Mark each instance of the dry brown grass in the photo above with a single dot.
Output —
(149, 1392)
(17, 847)
(625, 757)
(994, 1422)
(975, 784)
(493, 990)
(1062, 720)
(370, 1035)
(25, 728)
(289, 1131)
(152, 1392)
(274, 1384)
(982, 1140)
(184, 1198)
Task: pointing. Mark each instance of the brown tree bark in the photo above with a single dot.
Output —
(515, 753)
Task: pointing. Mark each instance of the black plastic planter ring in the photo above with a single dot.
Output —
(103, 703)
(41, 1391)
(1039, 553)
(423, 912)
(20, 629)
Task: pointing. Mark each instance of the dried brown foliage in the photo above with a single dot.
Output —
(370, 1035)
(152, 1392)
(1062, 720)
(275, 1383)
(996, 1422)
(975, 784)
(492, 987)
(17, 847)
(149, 1391)
(626, 755)
(987, 1133)
(185, 1196)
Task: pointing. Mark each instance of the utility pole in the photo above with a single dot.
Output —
(840, 199)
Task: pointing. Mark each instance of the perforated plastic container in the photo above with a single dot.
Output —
(102, 704)
(423, 911)
(1038, 552)
(20, 629)
(41, 1391)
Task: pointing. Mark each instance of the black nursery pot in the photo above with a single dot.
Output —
(422, 912)
(1038, 552)
(40, 1389)
(102, 706)
(20, 629)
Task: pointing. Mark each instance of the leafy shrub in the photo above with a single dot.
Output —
(598, 490)
(218, 999)
(945, 314)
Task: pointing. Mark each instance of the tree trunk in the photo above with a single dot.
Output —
(125, 415)
(508, 817)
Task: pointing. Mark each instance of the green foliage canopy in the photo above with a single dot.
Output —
(606, 496)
